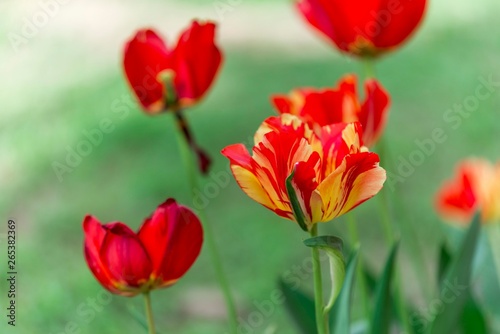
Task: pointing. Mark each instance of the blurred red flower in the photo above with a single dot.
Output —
(340, 105)
(128, 263)
(475, 187)
(172, 78)
(366, 28)
(332, 172)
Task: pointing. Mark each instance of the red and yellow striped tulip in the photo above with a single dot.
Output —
(475, 187)
(340, 104)
(332, 171)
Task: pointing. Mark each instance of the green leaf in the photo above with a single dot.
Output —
(453, 296)
(472, 320)
(340, 317)
(444, 262)
(300, 307)
(325, 242)
(332, 246)
(383, 300)
(297, 210)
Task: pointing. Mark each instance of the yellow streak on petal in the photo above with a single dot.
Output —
(251, 186)
(333, 190)
(366, 185)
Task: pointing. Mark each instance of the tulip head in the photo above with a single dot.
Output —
(332, 171)
(165, 78)
(128, 263)
(475, 187)
(364, 28)
(340, 104)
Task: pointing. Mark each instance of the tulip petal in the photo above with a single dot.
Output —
(94, 238)
(456, 199)
(197, 60)
(366, 27)
(339, 140)
(402, 21)
(145, 56)
(305, 182)
(125, 257)
(172, 237)
(356, 180)
(282, 104)
(374, 112)
(241, 166)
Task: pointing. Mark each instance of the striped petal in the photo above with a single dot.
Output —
(356, 180)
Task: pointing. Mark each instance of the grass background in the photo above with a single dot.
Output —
(67, 78)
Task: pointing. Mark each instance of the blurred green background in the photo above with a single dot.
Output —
(66, 78)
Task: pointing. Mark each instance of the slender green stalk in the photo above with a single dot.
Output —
(369, 68)
(318, 286)
(494, 238)
(149, 313)
(361, 281)
(208, 232)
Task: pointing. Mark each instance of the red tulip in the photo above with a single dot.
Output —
(332, 172)
(128, 263)
(335, 105)
(172, 78)
(475, 187)
(365, 28)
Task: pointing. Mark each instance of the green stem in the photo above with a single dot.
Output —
(149, 313)
(494, 238)
(208, 232)
(369, 68)
(318, 286)
(361, 281)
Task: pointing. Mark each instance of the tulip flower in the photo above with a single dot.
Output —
(128, 263)
(341, 104)
(364, 28)
(475, 187)
(330, 173)
(165, 78)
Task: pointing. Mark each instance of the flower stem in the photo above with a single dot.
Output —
(209, 236)
(318, 286)
(494, 238)
(369, 68)
(149, 313)
(363, 286)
